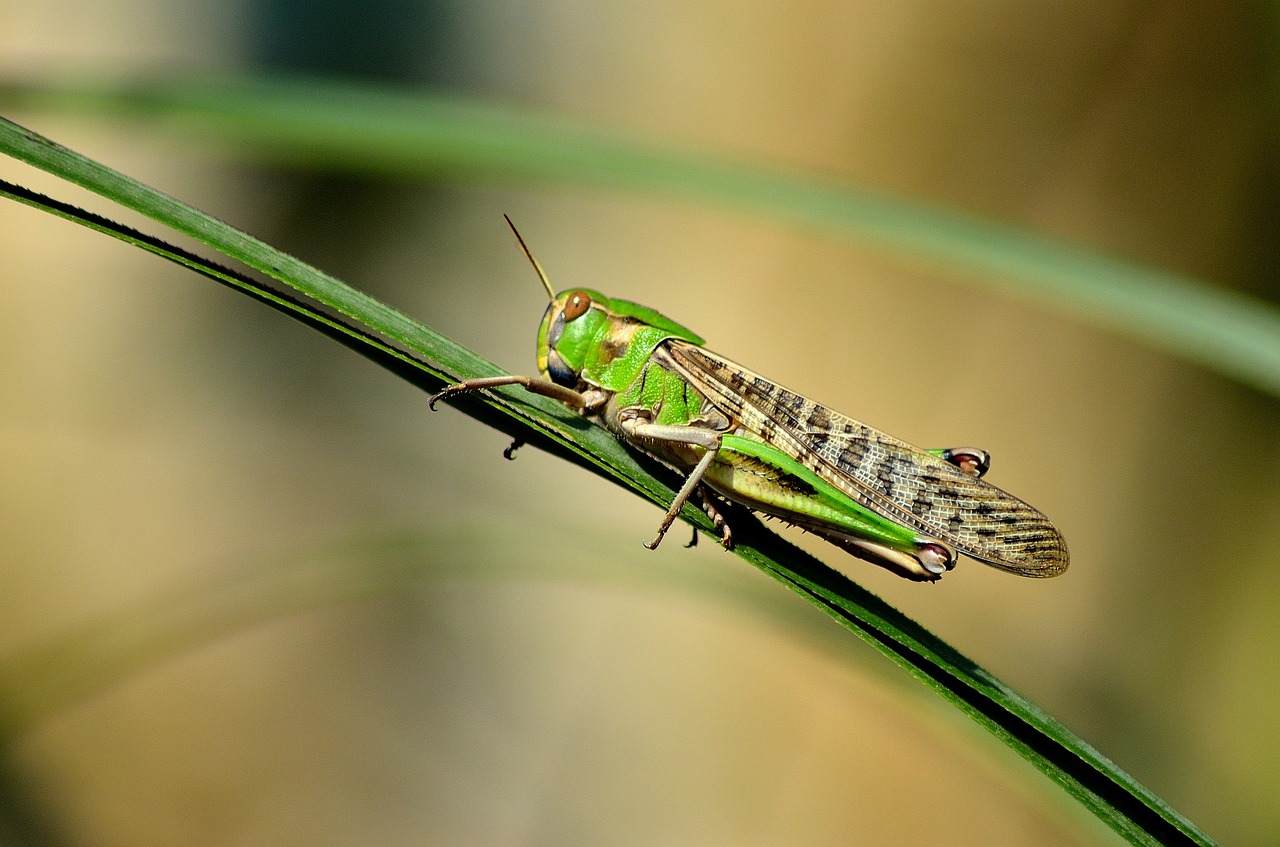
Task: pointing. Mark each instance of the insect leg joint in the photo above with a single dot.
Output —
(707, 439)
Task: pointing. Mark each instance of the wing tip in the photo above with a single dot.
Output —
(1034, 571)
(1039, 564)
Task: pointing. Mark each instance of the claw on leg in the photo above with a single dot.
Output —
(708, 504)
(717, 519)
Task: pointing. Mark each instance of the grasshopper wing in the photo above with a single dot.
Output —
(892, 478)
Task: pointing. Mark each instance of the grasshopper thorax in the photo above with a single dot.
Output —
(586, 337)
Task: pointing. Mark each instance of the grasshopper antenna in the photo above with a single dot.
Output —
(529, 255)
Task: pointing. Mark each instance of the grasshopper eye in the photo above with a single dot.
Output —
(579, 302)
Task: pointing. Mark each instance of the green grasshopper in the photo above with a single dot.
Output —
(740, 437)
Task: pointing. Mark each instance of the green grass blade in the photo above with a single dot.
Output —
(1099, 785)
(420, 135)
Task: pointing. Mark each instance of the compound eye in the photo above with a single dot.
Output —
(578, 303)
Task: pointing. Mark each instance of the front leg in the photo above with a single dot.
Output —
(585, 400)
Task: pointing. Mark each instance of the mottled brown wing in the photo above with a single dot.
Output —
(890, 477)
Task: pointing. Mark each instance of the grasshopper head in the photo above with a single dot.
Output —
(569, 332)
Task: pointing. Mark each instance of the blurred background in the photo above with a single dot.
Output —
(254, 593)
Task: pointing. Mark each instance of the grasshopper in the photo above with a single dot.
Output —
(743, 438)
